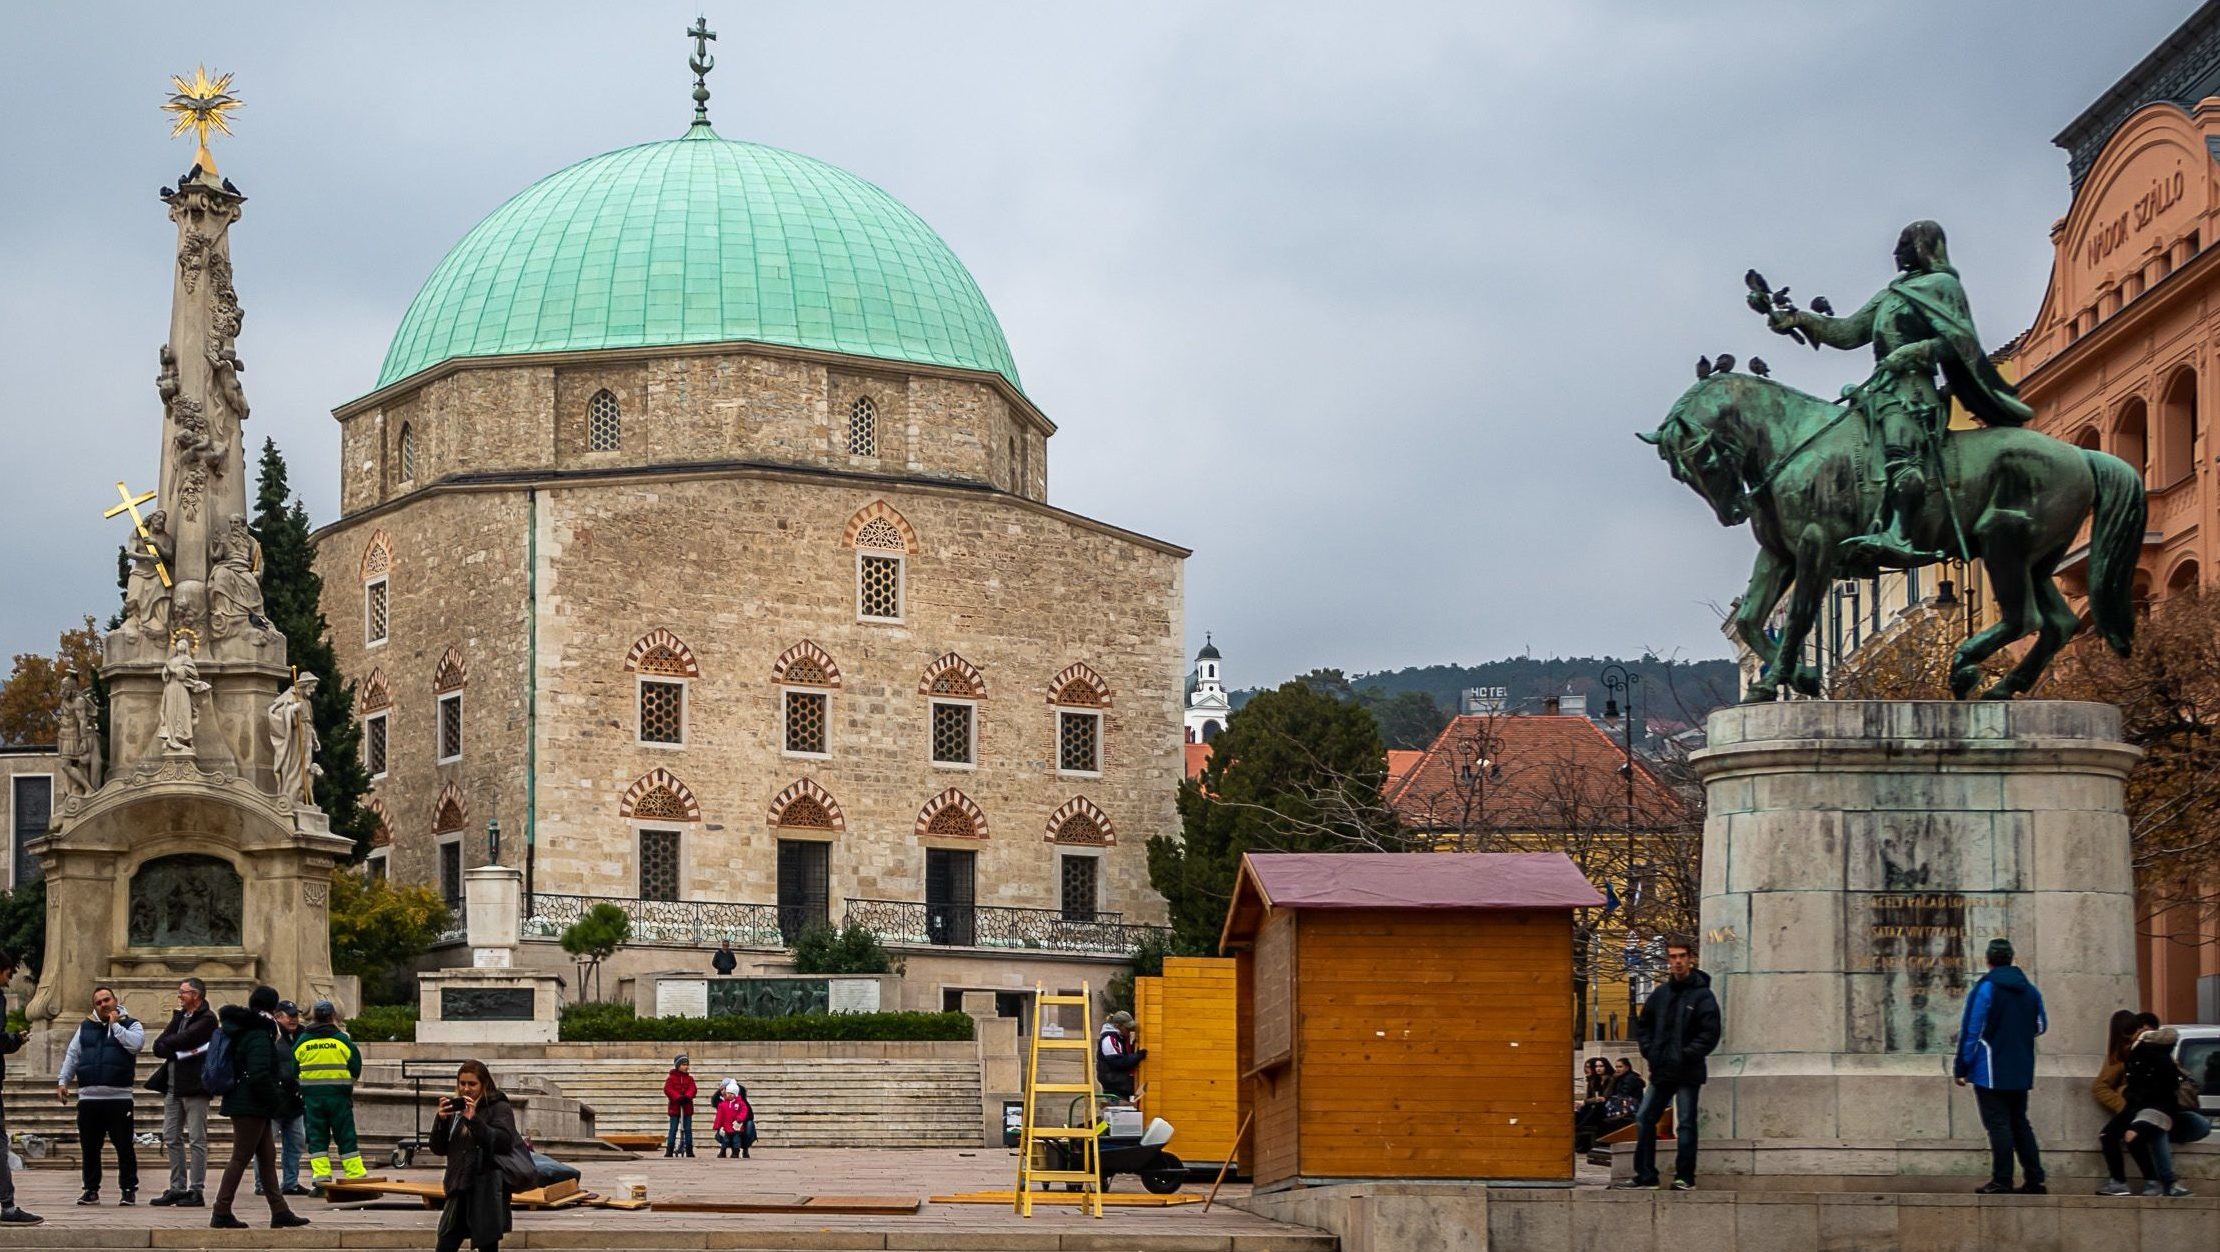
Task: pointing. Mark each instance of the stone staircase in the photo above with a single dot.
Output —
(809, 1102)
(815, 1102)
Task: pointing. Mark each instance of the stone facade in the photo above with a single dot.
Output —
(30, 784)
(720, 536)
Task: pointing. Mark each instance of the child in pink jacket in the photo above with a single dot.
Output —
(735, 1124)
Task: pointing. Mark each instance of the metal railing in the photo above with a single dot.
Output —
(706, 923)
(673, 923)
(458, 925)
(920, 924)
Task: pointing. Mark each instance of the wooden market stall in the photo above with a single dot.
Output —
(1406, 1015)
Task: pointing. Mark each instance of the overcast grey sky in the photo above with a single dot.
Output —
(1361, 302)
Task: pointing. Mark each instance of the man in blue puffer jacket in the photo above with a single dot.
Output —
(102, 1060)
(1996, 1054)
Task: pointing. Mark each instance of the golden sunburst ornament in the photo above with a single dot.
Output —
(200, 106)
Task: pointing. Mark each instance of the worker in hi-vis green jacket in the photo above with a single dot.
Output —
(329, 1063)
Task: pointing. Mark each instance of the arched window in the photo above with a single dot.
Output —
(2183, 579)
(604, 423)
(1080, 823)
(658, 795)
(376, 702)
(955, 688)
(1079, 696)
(2177, 430)
(953, 815)
(450, 816)
(407, 455)
(806, 806)
(863, 427)
(664, 665)
(883, 541)
(807, 678)
(2131, 436)
(448, 681)
(377, 567)
(2090, 438)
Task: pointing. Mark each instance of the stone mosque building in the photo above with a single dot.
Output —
(697, 530)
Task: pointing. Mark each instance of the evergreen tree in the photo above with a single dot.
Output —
(291, 595)
(1296, 770)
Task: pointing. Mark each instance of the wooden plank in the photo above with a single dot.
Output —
(1417, 1060)
(1275, 990)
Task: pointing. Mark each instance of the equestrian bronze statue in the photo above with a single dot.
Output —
(1878, 479)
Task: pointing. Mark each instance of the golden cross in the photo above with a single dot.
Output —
(131, 505)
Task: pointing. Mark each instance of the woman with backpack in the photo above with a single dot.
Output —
(254, 1076)
(475, 1131)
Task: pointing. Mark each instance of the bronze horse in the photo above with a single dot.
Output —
(1798, 469)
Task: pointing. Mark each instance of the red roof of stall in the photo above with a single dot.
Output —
(1410, 880)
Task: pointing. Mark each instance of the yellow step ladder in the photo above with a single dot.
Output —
(1087, 1135)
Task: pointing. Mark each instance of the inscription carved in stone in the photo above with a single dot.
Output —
(485, 1004)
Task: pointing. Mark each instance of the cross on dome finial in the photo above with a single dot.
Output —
(701, 63)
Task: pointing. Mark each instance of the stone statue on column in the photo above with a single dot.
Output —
(77, 740)
(146, 598)
(234, 581)
(180, 683)
(293, 737)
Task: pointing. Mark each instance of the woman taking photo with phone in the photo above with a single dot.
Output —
(476, 1127)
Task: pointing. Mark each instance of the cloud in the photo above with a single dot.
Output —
(1363, 303)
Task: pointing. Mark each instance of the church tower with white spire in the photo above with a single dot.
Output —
(1207, 706)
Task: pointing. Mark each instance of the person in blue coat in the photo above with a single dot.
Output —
(1996, 1056)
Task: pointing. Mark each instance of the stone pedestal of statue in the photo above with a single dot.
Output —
(1858, 858)
(491, 1000)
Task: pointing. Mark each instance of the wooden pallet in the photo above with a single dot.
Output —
(561, 1195)
(1114, 1199)
(858, 1205)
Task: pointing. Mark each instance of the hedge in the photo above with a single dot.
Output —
(384, 1023)
(618, 1023)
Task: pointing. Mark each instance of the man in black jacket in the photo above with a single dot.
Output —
(1115, 1056)
(9, 1042)
(1678, 1028)
(184, 1047)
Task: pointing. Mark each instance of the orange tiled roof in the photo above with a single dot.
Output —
(1544, 774)
(1400, 761)
(1198, 755)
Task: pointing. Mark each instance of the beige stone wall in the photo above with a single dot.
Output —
(741, 563)
(742, 569)
(759, 404)
(458, 579)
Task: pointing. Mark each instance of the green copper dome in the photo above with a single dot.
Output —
(701, 240)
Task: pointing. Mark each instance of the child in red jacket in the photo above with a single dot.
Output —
(735, 1121)
(679, 1090)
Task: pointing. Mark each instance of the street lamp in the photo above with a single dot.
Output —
(1619, 680)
